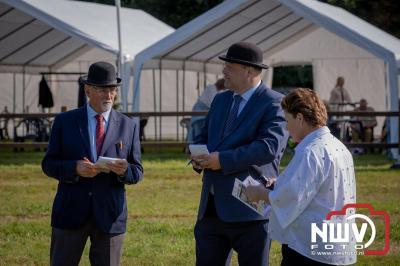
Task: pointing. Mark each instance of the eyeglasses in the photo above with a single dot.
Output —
(106, 90)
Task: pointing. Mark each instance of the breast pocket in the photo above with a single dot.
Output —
(121, 149)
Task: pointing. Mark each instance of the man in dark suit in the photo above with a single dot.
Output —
(91, 203)
(245, 126)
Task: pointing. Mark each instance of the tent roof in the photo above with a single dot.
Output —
(42, 33)
(270, 24)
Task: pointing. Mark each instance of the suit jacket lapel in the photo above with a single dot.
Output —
(112, 131)
(82, 122)
(250, 105)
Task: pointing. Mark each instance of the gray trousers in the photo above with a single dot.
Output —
(67, 246)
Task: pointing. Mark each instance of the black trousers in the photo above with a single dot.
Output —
(293, 258)
(67, 246)
(215, 239)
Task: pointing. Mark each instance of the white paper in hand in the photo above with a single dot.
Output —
(101, 163)
(198, 149)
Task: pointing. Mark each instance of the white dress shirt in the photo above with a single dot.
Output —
(92, 122)
(246, 97)
(320, 178)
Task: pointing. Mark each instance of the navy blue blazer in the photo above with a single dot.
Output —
(259, 137)
(103, 196)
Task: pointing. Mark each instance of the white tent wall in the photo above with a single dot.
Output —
(31, 92)
(364, 35)
(364, 78)
(64, 93)
(7, 91)
(179, 93)
(42, 36)
(7, 81)
(64, 88)
(275, 24)
(332, 56)
(82, 63)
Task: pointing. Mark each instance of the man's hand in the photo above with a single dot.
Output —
(271, 181)
(86, 168)
(195, 164)
(119, 167)
(209, 161)
(255, 193)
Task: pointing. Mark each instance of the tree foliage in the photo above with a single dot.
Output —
(173, 12)
(384, 14)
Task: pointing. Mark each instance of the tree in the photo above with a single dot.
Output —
(173, 12)
(384, 14)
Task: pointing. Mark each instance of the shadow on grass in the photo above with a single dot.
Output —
(369, 162)
(9, 157)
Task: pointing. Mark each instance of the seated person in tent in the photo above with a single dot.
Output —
(365, 128)
(203, 103)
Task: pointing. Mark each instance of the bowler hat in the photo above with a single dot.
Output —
(244, 53)
(101, 74)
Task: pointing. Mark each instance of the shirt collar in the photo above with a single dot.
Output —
(92, 113)
(311, 136)
(247, 95)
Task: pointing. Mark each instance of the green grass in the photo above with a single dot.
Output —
(162, 209)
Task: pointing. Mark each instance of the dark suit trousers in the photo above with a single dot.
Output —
(292, 258)
(67, 246)
(215, 239)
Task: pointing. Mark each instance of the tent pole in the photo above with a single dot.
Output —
(14, 101)
(205, 76)
(198, 84)
(183, 89)
(160, 102)
(23, 91)
(396, 165)
(155, 103)
(177, 104)
(14, 92)
(119, 59)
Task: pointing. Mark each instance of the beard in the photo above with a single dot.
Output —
(106, 106)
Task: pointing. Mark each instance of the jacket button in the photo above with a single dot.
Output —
(90, 193)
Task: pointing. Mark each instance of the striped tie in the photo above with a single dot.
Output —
(99, 133)
(232, 114)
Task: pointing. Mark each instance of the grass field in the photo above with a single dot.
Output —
(162, 210)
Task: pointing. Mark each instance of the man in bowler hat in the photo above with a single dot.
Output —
(90, 202)
(245, 126)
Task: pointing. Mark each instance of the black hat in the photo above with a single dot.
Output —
(101, 74)
(244, 53)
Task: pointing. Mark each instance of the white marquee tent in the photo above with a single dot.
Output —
(331, 39)
(66, 36)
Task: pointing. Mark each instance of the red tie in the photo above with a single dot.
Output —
(99, 133)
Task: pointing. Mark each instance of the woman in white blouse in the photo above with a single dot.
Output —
(319, 179)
